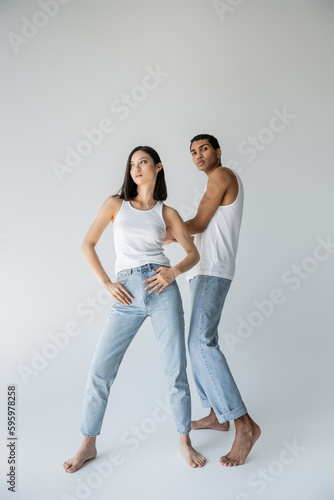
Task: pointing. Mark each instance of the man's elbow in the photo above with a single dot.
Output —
(201, 227)
(197, 256)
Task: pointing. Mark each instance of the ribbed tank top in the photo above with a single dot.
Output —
(138, 237)
(218, 244)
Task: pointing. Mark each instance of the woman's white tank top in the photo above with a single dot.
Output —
(138, 237)
(218, 244)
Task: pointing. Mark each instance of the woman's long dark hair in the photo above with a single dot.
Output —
(129, 188)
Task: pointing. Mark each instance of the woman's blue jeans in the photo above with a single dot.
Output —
(214, 381)
(124, 321)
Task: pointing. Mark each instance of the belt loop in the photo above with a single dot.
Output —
(149, 267)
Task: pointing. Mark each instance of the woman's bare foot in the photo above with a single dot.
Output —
(210, 422)
(247, 433)
(87, 451)
(193, 458)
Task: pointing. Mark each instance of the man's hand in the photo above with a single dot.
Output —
(169, 238)
(164, 277)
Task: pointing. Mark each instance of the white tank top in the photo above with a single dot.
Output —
(138, 237)
(218, 244)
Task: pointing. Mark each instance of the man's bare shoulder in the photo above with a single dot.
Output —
(218, 183)
(221, 175)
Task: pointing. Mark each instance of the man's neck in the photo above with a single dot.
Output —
(209, 172)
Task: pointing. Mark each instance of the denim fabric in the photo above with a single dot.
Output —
(214, 381)
(124, 321)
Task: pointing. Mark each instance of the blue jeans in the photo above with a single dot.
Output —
(124, 321)
(214, 381)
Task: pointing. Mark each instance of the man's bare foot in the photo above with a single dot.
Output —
(210, 422)
(87, 451)
(193, 458)
(247, 433)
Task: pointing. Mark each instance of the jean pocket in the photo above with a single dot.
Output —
(154, 267)
(122, 276)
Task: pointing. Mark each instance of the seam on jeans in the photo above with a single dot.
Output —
(183, 358)
(201, 347)
(198, 337)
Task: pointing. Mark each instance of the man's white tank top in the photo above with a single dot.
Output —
(138, 237)
(218, 244)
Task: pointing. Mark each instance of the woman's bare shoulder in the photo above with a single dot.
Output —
(170, 213)
(168, 210)
(113, 201)
(111, 206)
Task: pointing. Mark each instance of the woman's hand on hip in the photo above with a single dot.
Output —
(118, 292)
(164, 276)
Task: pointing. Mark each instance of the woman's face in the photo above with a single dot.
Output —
(143, 169)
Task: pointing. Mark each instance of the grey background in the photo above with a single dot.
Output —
(224, 74)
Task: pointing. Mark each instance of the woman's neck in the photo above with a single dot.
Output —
(144, 198)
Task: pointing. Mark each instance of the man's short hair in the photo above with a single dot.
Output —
(212, 140)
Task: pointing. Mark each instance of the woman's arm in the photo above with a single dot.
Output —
(175, 224)
(166, 275)
(218, 184)
(106, 214)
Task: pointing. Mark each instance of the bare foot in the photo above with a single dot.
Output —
(87, 451)
(210, 422)
(193, 458)
(247, 433)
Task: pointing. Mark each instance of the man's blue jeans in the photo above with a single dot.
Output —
(124, 321)
(214, 381)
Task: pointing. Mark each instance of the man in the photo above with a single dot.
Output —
(216, 228)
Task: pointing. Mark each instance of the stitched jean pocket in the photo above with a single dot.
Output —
(122, 276)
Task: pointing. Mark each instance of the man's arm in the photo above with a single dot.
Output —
(218, 183)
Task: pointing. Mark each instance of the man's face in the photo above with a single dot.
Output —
(203, 155)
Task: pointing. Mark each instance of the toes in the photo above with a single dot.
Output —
(229, 462)
(69, 467)
(225, 460)
(72, 469)
(238, 462)
(199, 460)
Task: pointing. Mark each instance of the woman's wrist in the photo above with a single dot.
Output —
(106, 281)
(176, 271)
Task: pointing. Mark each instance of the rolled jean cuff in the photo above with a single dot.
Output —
(232, 415)
(88, 435)
(184, 432)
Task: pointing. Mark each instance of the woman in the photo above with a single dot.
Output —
(145, 286)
